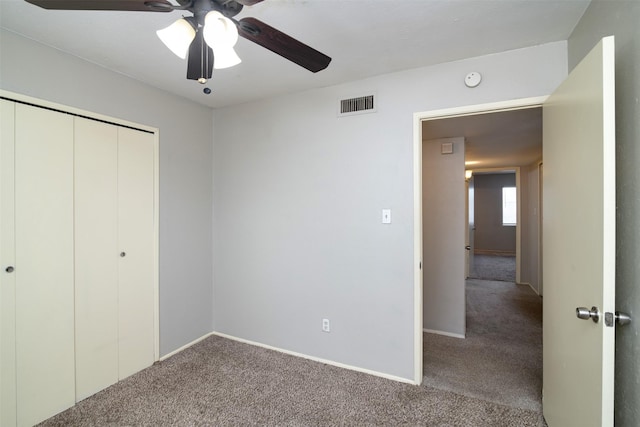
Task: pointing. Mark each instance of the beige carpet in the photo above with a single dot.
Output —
(219, 382)
(493, 267)
(501, 358)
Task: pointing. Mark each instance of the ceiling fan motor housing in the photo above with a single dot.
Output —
(200, 8)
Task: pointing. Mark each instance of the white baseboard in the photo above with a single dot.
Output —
(318, 359)
(529, 285)
(186, 346)
(447, 334)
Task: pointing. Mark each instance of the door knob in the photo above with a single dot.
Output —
(468, 247)
(622, 318)
(585, 313)
(123, 254)
(9, 269)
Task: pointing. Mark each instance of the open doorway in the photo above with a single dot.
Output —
(492, 225)
(501, 357)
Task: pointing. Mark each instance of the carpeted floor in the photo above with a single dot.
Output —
(219, 382)
(493, 267)
(500, 360)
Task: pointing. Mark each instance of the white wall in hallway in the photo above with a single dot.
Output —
(444, 232)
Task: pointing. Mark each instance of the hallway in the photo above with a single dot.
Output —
(493, 267)
(500, 360)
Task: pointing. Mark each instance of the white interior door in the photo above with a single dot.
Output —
(579, 243)
(96, 256)
(44, 263)
(135, 240)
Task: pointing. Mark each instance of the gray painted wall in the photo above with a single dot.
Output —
(491, 235)
(298, 197)
(444, 232)
(186, 200)
(621, 18)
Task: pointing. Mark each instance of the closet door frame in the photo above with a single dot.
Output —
(24, 99)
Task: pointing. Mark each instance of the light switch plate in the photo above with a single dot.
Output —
(386, 216)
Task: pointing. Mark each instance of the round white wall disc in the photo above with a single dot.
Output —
(473, 79)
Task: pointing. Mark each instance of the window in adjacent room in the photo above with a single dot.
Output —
(509, 206)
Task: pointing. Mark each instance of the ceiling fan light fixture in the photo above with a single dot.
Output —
(219, 31)
(177, 37)
(186, 37)
(225, 58)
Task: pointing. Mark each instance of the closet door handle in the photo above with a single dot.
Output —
(123, 254)
(9, 269)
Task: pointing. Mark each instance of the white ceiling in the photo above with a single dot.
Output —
(493, 140)
(364, 38)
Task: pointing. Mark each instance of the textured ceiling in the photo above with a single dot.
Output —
(364, 38)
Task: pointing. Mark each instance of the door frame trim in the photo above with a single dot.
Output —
(418, 118)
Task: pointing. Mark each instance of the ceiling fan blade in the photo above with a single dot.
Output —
(286, 46)
(200, 59)
(248, 2)
(128, 5)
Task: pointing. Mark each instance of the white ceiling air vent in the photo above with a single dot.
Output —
(359, 105)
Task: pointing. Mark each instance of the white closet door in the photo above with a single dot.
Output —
(96, 266)
(7, 278)
(135, 239)
(44, 263)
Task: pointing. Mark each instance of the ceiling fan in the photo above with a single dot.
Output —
(209, 35)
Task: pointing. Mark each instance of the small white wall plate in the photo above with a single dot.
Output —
(473, 79)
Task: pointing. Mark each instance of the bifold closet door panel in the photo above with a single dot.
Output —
(7, 255)
(135, 241)
(96, 256)
(44, 263)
